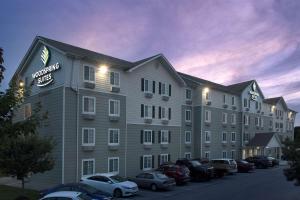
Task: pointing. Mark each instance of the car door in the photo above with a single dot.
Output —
(139, 179)
(149, 179)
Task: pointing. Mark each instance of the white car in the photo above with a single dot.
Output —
(111, 183)
(66, 195)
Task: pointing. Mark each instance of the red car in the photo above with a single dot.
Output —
(244, 166)
(181, 174)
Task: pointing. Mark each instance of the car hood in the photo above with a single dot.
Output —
(128, 184)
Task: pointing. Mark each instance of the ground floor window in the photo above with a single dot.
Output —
(113, 164)
(163, 158)
(188, 137)
(233, 154)
(224, 154)
(147, 162)
(88, 166)
(207, 154)
(188, 155)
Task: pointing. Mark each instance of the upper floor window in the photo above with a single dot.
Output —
(88, 136)
(164, 137)
(188, 115)
(246, 137)
(245, 103)
(233, 118)
(207, 116)
(224, 118)
(114, 107)
(188, 137)
(113, 136)
(164, 113)
(256, 121)
(27, 110)
(207, 136)
(115, 79)
(224, 137)
(224, 98)
(89, 74)
(146, 111)
(246, 119)
(89, 105)
(188, 94)
(147, 136)
(232, 100)
(233, 136)
(164, 89)
(145, 85)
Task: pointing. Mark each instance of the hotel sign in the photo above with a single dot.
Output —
(44, 76)
(253, 93)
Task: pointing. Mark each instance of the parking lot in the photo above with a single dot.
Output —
(261, 184)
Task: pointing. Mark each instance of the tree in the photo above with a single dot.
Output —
(22, 150)
(291, 151)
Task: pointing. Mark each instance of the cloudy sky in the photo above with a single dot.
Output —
(222, 41)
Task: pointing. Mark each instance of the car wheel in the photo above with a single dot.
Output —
(153, 187)
(117, 193)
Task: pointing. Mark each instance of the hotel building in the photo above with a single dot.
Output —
(112, 115)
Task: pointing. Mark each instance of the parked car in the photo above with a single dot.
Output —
(197, 170)
(79, 187)
(67, 195)
(153, 180)
(205, 162)
(260, 161)
(275, 162)
(244, 166)
(224, 166)
(115, 185)
(180, 173)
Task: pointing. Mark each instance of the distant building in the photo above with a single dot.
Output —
(112, 115)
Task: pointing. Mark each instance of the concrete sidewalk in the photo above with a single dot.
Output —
(10, 182)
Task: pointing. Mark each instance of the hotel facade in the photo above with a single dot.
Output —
(111, 115)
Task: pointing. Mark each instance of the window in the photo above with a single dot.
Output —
(113, 164)
(232, 100)
(188, 155)
(256, 105)
(246, 137)
(162, 113)
(147, 111)
(164, 137)
(233, 136)
(233, 118)
(207, 116)
(224, 154)
(207, 136)
(89, 105)
(147, 137)
(207, 96)
(89, 74)
(27, 110)
(88, 166)
(271, 124)
(115, 79)
(163, 158)
(246, 119)
(233, 154)
(245, 103)
(224, 137)
(113, 136)
(256, 121)
(261, 122)
(187, 115)
(162, 89)
(188, 137)
(147, 162)
(88, 136)
(188, 94)
(114, 107)
(224, 98)
(207, 154)
(146, 86)
(224, 118)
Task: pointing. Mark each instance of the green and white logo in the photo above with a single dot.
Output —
(45, 56)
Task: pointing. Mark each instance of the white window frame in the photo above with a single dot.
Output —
(87, 112)
(207, 153)
(186, 111)
(225, 154)
(207, 96)
(108, 164)
(147, 167)
(246, 120)
(190, 137)
(144, 136)
(208, 115)
(224, 99)
(162, 132)
(233, 100)
(231, 154)
(118, 133)
(27, 106)
(261, 122)
(186, 92)
(248, 137)
(82, 165)
(115, 85)
(233, 118)
(89, 80)
(149, 111)
(224, 133)
(207, 134)
(82, 134)
(186, 155)
(118, 107)
(224, 119)
(148, 86)
(164, 155)
(164, 89)
(233, 133)
(257, 121)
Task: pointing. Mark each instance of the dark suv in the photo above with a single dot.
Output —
(181, 174)
(198, 171)
(260, 161)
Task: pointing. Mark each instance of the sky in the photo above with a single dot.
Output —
(222, 41)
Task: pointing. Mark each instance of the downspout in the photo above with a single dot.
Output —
(201, 124)
(63, 139)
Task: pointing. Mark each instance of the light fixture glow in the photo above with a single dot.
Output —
(206, 90)
(103, 69)
(21, 84)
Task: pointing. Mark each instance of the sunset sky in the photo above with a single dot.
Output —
(221, 41)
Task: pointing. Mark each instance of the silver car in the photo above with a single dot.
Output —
(153, 180)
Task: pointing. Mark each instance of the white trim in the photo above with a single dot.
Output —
(188, 110)
(233, 157)
(223, 154)
(88, 81)
(186, 93)
(208, 115)
(113, 158)
(222, 139)
(114, 115)
(108, 139)
(233, 122)
(114, 85)
(209, 133)
(234, 136)
(89, 97)
(188, 153)
(161, 136)
(151, 132)
(226, 117)
(207, 152)
(163, 154)
(84, 160)
(63, 137)
(189, 142)
(148, 168)
(82, 136)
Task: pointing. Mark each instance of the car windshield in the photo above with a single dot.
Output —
(195, 163)
(88, 188)
(161, 176)
(117, 179)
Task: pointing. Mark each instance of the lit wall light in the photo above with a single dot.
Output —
(21, 83)
(273, 108)
(103, 69)
(206, 90)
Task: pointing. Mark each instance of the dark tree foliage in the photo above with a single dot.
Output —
(2, 68)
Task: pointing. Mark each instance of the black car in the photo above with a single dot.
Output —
(260, 161)
(197, 170)
(275, 162)
(78, 187)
